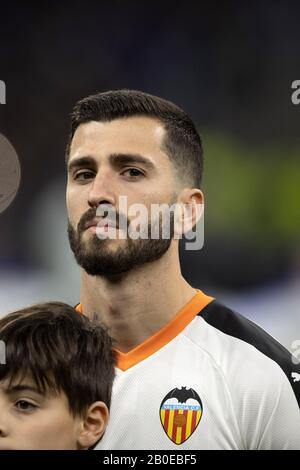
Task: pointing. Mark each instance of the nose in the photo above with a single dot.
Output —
(3, 433)
(3, 423)
(102, 190)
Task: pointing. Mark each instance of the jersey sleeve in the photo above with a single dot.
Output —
(282, 431)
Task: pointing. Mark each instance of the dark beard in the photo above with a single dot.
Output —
(98, 259)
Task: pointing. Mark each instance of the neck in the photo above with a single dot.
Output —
(137, 304)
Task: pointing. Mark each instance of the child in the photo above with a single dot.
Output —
(55, 385)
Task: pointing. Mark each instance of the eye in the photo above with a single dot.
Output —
(25, 405)
(83, 175)
(133, 172)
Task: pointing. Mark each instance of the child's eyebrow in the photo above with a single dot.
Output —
(22, 388)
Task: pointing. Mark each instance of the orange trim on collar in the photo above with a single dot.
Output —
(163, 336)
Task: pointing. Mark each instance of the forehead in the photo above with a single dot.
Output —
(20, 379)
(26, 383)
(141, 135)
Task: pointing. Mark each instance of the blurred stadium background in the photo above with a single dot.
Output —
(230, 65)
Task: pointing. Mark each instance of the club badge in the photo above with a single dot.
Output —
(180, 413)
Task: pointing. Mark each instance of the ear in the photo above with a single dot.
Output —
(93, 425)
(189, 210)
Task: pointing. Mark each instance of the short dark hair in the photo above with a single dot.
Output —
(182, 142)
(62, 350)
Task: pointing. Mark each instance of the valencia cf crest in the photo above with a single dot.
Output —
(180, 413)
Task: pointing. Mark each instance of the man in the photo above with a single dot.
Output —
(191, 373)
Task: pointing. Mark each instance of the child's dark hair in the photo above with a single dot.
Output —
(61, 350)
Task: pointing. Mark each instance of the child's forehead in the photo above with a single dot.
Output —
(26, 383)
(18, 381)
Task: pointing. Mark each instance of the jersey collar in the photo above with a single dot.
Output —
(163, 336)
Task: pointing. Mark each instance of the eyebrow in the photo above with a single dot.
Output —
(115, 159)
(22, 388)
(80, 162)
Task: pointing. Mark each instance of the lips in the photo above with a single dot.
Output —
(100, 223)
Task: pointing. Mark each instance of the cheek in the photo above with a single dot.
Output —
(161, 196)
(73, 202)
(69, 199)
(49, 432)
(157, 194)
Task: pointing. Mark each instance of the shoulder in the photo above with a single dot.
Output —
(255, 351)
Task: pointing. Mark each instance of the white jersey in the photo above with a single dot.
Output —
(210, 379)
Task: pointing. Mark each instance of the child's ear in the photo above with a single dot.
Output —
(93, 425)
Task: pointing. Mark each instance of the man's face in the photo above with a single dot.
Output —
(30, 420)
(107, 160)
